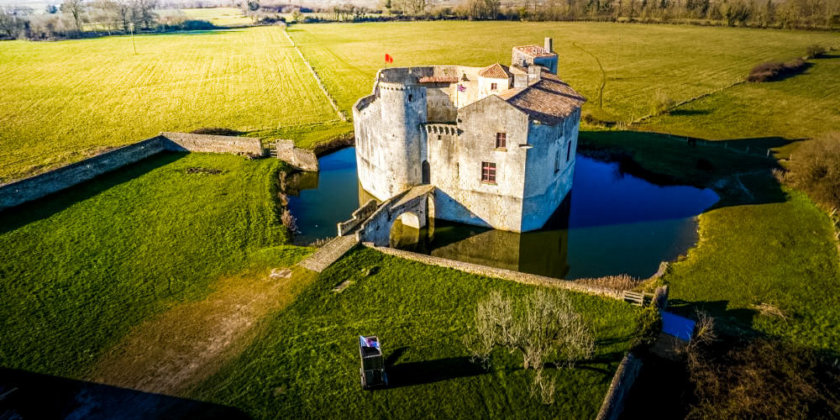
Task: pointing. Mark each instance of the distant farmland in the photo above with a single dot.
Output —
(640, 61)
(61, 101)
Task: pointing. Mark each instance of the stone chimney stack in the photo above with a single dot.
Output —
(549, 44)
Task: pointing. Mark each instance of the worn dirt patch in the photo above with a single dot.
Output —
(176, 350)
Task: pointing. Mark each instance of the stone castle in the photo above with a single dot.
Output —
(498, 143)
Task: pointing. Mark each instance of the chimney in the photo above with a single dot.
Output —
(549, 44)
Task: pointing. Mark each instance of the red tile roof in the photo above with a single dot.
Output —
(548, 100)
(534, 51)
(495, 71)
(439, 79)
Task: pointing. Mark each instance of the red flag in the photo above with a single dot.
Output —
(389, 59)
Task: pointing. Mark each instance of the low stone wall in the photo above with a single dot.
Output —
(188, 142)
(299, 158)
(623, 379)
(524, 278)
(359, 215)
(38, 186)
(35, 187)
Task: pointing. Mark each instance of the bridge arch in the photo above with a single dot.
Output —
(410, 208)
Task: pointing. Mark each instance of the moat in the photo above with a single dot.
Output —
(612, 223)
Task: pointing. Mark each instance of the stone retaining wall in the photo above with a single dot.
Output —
(524, 278)
(206, 143)
(297, 157)
(623, 379)
(38, 186)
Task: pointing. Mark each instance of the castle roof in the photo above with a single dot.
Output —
(495, 71)
(438, 79)
(548, 100)
(534, 51)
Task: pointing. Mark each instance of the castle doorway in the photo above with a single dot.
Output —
(427, 176)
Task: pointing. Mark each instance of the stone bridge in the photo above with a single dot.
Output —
(372, 223)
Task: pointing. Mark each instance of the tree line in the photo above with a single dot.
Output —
(77, 18)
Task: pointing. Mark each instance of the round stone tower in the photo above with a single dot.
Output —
(389, 134)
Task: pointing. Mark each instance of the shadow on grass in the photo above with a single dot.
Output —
(739, 170)
(37, 396)
(689, 112)
(42, 208)
(429, 371)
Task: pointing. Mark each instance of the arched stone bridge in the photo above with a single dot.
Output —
(372, 223)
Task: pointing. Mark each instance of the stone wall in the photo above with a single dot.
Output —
(188, 142)
(500, 273)
(377, 227)
(623, 379)
(299, 158)
(19, 192)
(38, 186)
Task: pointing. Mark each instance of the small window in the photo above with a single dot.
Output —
(439, 137)
(569, 151)
(494, 86)
(557, 161)
(501, 140)
(488, 172)
(410, 97)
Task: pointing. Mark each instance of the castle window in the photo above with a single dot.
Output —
(439, 137)
(494, 86)
(410, 97)
(501, 140)
(488, 172)
(557, 161)
(569, 151)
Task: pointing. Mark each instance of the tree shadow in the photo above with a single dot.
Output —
(38, 396)
(740, 171)
(42, 208)
(429, 371)
(738, 320)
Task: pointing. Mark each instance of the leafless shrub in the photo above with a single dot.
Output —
(767, 309)
(620, 282)
(289, 221)
(815, 51)
(815, 168)
(661, 103)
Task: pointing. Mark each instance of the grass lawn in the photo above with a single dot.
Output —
(802, 106)
(639, 60)
(307, 361)
(79, 268)
(63, 101)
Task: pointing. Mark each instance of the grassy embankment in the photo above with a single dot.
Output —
(81, 268)
(308, 359)
(63, 101)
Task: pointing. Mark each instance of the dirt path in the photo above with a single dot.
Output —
(178, 349)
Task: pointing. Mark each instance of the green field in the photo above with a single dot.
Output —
(639, 60)
(308, 362)
(80, 268)
(63, 101)
(219, 16)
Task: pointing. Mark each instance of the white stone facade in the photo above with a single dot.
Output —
(441, 125)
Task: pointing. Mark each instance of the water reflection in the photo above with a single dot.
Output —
(612, 223)
(319, 200)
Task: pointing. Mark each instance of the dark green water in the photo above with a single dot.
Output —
(612, 223)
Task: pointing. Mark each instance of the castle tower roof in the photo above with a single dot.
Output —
(548, 100)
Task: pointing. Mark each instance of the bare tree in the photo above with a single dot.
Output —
(13, 20)
(76, 9)
(544, 328)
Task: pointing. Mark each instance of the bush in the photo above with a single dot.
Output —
(815, 168)
(776, 70)
(217, 131)
(815, 51)
(761, 378)
(661, 103)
